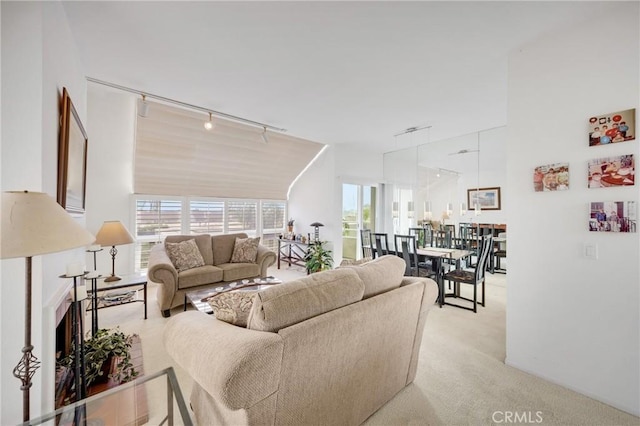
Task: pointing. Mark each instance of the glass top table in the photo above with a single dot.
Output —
(154, 399)
(198, 298)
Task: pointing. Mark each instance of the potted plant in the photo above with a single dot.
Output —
(101, 351)
(290, 225)
(318, 258)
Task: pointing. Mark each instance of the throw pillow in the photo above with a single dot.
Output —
(184, 255)
(232, 307)
(245, 250)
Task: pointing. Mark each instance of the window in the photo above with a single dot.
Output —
(206, 217)
(242, 216)
(159, 216)
(155, 219)
(273, 214)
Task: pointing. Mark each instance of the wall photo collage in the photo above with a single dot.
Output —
(605, 172)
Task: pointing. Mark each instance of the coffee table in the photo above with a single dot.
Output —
(198, 298)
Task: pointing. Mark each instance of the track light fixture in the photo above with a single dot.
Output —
(209, 124)
(263, 135)
(142, 111)
(143, 107)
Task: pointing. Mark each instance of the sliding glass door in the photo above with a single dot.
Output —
(358, 212)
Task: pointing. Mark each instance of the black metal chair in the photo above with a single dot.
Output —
(420, 234)
(406, 248)
(381, 246)
(365, 242)
(473, 277)
(501, 252)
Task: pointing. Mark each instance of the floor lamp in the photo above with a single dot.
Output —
(32, 223)
(113, 233)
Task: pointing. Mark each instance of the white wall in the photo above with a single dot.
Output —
(38, 59)
(313, 198)
(111, 116)
(573, 320)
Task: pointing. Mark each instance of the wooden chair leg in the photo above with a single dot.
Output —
(483, 293)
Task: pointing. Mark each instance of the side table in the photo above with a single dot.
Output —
(98, 286)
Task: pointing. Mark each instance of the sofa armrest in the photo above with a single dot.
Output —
(265, 259)
(430, 294)
(161, 271)
(236, 366)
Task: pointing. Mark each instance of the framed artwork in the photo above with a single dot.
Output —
(612, 128)
(612, 171)
(552, 177)
(487, 198)
(72, 158)
(613, 216)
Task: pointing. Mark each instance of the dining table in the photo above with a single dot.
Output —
(437, 256)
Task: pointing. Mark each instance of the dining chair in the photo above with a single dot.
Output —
(474, 277)
(406, 248)
(419, 233)
(365, 243)
(442, 238)
(381, 244)
(501, 252)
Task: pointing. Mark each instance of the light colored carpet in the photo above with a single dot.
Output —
(461, 379)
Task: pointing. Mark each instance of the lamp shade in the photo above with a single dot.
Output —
(315, 224)
(33, 224)
(113, 233)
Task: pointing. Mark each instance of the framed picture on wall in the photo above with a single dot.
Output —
(72, 158)
(612, 128)
(487, 198)
(612, 171)
(612, 216)
(552, 177)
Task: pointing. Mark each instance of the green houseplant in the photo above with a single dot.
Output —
(318, 258)
(103, 349)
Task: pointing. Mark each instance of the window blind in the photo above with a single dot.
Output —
(175, 155)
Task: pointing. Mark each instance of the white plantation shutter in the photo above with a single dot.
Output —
(242, 216)
(175, 155)
(155, 219)
(206, 217)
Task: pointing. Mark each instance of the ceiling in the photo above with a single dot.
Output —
(330, 72)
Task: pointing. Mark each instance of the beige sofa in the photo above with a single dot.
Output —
(328, 349)
(216, 251)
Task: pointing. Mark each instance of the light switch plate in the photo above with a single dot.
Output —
(591, 251)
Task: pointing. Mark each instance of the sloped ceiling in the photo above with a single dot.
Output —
(331, 72)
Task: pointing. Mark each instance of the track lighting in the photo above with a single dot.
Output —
(263, 135)
(143, 107)
(209, 124)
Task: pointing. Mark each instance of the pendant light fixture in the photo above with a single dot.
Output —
(209, 124)
(463, 209)
(263, 135)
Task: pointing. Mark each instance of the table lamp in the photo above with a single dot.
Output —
(316, 230)
(113, 233)
(32, 223)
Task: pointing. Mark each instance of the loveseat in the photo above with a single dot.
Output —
(216, 252)
(327, 349)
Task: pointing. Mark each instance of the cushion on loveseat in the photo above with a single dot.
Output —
(290, 303)
(206, 274)
(202, 241)
(222, 246)
(238, 271)
(380, 275)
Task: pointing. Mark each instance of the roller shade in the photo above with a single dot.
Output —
(175, 155)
